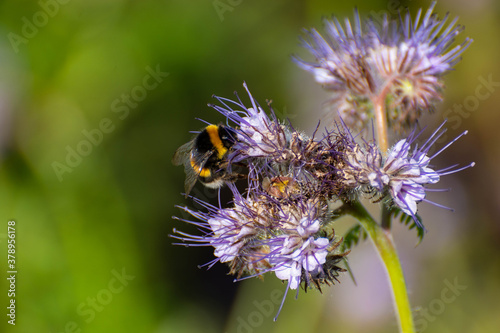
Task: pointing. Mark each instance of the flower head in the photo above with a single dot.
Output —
(288, 237)
(258, 134)
(340, 57)
(403, 174)
(401, 60)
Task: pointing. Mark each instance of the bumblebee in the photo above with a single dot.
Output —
(205, 157)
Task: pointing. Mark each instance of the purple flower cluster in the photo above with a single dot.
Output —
(265, 234)
(282, 222)
(401, 61)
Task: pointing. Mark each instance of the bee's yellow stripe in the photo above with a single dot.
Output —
(202, 172)
(213, 133)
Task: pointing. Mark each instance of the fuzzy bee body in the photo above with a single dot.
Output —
(205, 157)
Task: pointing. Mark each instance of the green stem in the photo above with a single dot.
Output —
(382, 239)
(386, 217)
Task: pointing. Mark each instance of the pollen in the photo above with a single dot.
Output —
(407, 88)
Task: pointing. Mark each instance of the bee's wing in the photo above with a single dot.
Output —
(201, 159)
(191, 178)
(181, 155)
(192, 174)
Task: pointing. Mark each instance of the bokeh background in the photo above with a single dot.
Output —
(93, 251)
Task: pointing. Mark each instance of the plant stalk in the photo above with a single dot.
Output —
(382, 239)
(381, 123)
(385, 217)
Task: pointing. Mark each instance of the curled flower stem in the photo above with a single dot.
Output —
(386, 249)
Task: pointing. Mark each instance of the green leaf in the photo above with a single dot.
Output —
(350, 239)
(348, 268)
(409, 221)
(353, 236)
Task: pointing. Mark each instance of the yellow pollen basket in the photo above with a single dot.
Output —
(213, 133)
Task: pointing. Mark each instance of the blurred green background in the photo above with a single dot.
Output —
(96, 95)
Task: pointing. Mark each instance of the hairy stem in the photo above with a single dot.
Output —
(381, 123)
(386, 217)
(383, 140)
(378, 102)
(382, 239)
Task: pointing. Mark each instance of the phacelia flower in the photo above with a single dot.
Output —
(258, 134)
(255, 236)
(399, 61)
(402, 175)
(233, 232)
